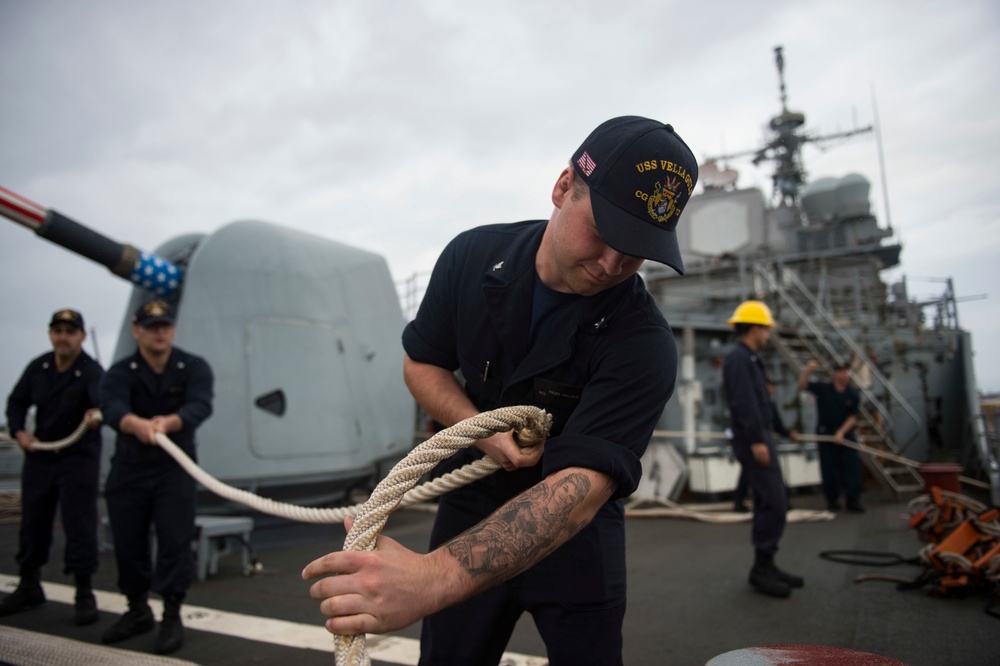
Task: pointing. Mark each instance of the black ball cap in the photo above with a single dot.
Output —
(641, 174)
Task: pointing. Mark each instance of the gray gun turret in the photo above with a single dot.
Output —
(302, 333)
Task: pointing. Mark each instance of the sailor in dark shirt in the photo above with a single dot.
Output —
(62, 385)
(158, 389)
(548, 313)
(836, 415)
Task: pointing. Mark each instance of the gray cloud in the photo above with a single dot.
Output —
(392, 126)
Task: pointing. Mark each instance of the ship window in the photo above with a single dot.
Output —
(719, 227)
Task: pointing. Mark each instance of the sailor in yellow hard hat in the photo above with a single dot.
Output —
(743, 377)
(753, 313)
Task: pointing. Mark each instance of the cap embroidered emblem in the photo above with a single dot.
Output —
(497, 266)
(661, 204)
(586, 164)
(155, 308)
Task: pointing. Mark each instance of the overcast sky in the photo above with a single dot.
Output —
(391, 126)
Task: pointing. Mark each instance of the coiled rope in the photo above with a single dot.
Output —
(532, 425)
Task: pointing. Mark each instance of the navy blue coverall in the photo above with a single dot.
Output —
(67, 478)
(604, 366)
(839, 466)
(145, 485)
(750, 420)
(779, 427)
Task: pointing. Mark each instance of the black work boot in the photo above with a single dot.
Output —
(28, 593)
(764, 577)
(84, 605)
(171, 636)
(791, 580)
(854, 506)
(138, 619)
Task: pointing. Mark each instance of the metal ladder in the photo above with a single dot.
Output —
(819, 336)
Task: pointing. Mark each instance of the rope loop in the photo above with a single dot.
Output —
(530, 424)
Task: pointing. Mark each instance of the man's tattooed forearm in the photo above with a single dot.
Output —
(523, 530)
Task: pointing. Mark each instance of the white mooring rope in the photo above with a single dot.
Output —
(73, 438)
(532, 425)
(395, 490)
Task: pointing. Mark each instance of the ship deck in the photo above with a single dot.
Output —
(688, 597)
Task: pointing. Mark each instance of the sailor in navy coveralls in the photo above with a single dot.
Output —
(552, 314)
(63, 386)
(750, 414)
(158, 389)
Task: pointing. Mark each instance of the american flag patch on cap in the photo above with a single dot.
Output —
(586, 164)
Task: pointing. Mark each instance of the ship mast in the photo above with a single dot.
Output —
(785, 145)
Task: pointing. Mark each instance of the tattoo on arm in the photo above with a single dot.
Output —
(522, 531)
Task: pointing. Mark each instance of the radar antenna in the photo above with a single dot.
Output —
(780, 60)
(785, 146)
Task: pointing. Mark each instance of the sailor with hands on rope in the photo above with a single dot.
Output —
(158, 389)
(551, 314)
(63, 386)
(836, 415)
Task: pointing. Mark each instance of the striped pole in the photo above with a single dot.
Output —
(150, 271)
(23, 211)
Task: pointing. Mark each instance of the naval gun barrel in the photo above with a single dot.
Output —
(147, 270)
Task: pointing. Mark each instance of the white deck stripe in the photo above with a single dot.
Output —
(386, 648)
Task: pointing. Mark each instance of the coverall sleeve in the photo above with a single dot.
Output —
(854, 405)
(430, 337)
(619, 408)
(18, 402)
(199, 394)
(114, 391)
(94, 375)
(745, 414)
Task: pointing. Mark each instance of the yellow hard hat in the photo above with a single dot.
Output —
(752, 312)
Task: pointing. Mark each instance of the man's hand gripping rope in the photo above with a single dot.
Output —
(382, 577)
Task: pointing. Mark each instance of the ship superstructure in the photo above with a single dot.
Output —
(815, 252)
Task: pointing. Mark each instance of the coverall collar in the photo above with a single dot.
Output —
(508, 289)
